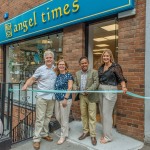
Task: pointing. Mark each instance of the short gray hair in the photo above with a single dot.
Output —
(48, 52)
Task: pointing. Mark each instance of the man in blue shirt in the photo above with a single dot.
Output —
(45, 77)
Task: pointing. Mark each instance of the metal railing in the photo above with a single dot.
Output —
(24, 130)
(17, 112)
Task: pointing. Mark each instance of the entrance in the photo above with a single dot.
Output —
(102, 35)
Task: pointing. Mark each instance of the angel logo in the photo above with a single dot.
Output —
(8, 30)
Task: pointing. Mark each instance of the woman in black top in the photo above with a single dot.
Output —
(110, 75)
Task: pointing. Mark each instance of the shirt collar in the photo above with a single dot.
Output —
(49, 68)
(84, 72)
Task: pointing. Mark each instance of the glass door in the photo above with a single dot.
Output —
(102, 35)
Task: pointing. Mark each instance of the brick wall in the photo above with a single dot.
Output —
(131, 56)
(73, 49)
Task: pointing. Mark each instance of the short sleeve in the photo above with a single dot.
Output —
(37, 73)
(70, 77)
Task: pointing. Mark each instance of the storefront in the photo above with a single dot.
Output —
(73, 29)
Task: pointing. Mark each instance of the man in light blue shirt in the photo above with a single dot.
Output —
(45, 77)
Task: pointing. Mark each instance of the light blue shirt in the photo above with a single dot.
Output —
(46, 78)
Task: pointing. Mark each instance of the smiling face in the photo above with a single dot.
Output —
(61, 66)
(84, 65)
(106, 57)
(49, 60)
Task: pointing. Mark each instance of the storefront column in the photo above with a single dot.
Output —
(147, 74)
(73, 49)
(131, 56)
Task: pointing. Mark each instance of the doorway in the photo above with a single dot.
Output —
(102, 35)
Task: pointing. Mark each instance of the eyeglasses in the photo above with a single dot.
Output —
(61, 64)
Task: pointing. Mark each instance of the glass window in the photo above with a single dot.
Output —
(102, 36)
(23, 58)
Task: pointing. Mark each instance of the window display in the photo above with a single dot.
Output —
(25, 57)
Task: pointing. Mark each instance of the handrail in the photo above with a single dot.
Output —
(24, 129)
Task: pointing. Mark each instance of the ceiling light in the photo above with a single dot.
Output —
(97, 53)
(99, 39)
(112, 37)
(102, 45)
(110, 27)
(98, 50)
(102, 49)
(44, 41)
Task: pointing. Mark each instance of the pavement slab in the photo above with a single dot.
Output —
(120, 141)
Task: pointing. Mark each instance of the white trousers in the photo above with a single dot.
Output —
(62, 115)
(44, 111)
(106, 106)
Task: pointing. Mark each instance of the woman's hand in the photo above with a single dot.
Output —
(64, 103)
(124, 89)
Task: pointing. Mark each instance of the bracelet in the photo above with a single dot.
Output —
(123, 87)
(66, 98)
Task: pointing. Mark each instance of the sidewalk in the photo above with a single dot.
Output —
(120, 142)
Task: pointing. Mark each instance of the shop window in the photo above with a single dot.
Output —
(23, 58)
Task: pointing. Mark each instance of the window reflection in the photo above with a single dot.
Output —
(24, 58)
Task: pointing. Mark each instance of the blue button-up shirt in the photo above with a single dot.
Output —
(46, 78)
(62, 84)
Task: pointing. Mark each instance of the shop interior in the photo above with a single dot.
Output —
(23, 58)
(102, 35)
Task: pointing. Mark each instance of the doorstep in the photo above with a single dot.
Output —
(120, 141)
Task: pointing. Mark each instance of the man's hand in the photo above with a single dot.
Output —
(24, 88)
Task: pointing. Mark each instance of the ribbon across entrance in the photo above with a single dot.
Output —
(98, 91)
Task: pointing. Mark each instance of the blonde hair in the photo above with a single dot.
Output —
(110, 54)
(66, 66)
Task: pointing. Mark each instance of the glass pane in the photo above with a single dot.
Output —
(102, 36)
(23, 58)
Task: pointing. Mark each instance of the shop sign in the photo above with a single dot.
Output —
(57, 14)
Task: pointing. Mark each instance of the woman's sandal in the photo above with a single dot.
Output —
(105, 140)
(61, 141)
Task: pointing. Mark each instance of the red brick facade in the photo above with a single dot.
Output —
(131, 56)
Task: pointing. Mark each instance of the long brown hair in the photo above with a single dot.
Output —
(111, 56)
(66, 66)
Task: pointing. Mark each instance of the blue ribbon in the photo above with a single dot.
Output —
(98, 91)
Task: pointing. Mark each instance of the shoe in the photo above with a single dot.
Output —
(93, 140)
(83, 136)
(105, 140)
(61, 141)
(48, 138)
(36, 145)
